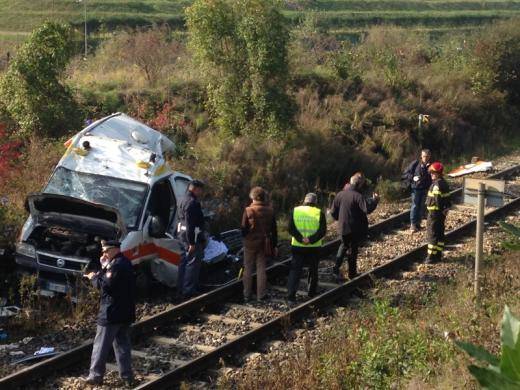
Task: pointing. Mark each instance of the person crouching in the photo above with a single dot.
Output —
(116, 281)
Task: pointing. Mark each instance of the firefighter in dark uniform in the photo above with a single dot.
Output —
(116, 281)
(437, 203)
(307, 226)
(190, 230)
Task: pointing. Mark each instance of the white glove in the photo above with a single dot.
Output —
(104, 261)
(416, 178)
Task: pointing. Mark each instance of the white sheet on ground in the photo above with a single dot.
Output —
(479, 166)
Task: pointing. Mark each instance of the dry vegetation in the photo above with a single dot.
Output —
(384, 346)
(357, 108)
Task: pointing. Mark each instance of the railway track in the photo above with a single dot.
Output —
(174, 344)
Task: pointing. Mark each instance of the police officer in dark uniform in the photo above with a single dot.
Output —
(438, 203)
(190, 230)
(116, 281)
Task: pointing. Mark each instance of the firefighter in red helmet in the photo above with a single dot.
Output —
(438, 203)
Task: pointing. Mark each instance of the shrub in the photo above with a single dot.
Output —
(9, 153)
(514, 231)
(31, 90)
(390, 190)
(29, 174)
(241, 48)
(150, 49)
(496, 60)
(504, 372)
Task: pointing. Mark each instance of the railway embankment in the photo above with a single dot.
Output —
(400, 335)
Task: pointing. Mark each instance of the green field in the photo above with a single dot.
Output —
(343, 17)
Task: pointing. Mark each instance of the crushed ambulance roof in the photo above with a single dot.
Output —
(119, 147)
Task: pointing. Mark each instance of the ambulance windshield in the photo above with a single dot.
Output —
(125, 196)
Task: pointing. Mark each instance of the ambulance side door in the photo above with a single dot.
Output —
(179, 184)
(162, 210)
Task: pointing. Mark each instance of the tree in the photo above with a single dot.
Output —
(241, 48)
(150, 49)
(32, 92)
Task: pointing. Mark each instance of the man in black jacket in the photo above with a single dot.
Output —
(416, 175)
(307, 226)
(350, 209)
(191, 233)
(116, 281)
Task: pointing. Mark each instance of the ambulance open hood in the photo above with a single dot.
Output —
(51, 209)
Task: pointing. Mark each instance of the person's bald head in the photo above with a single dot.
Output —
(357, 180)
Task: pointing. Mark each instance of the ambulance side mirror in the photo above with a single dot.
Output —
(157, 228)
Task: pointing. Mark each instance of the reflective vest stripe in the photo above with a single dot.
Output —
(432, 194)
(307, 222)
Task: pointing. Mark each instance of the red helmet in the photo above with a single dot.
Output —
(436, 167)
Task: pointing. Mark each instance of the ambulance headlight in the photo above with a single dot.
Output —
(26, 249)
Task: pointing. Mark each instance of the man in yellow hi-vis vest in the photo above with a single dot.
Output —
(307, 226)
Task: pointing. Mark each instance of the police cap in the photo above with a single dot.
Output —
(109, 244)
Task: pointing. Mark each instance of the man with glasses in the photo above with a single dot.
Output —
(116, 312)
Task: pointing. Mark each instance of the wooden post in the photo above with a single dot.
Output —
(480, 236)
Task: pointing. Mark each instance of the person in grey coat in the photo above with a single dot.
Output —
(116, 281)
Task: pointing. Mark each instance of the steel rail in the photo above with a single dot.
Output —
(217, 296)
(279, 324)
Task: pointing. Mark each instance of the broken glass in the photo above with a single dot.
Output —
(126, 196)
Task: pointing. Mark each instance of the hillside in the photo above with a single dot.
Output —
(346, 18)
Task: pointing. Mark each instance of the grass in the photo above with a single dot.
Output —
(21, 16)
(384, 345)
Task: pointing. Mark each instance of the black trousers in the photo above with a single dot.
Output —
(349, 243)
(309, 257)
(435, 228)
(189, 271)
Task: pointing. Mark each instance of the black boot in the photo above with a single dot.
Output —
(335, 269)
(352, 267)
(432, 259)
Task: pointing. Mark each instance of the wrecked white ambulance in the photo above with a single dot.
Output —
(112, 183)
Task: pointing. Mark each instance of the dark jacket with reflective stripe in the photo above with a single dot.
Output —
(350, 209)
(191, 217)
(438, 198)
(117, 285)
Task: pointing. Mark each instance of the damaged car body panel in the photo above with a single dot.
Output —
(113, 182)
(46, 207)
